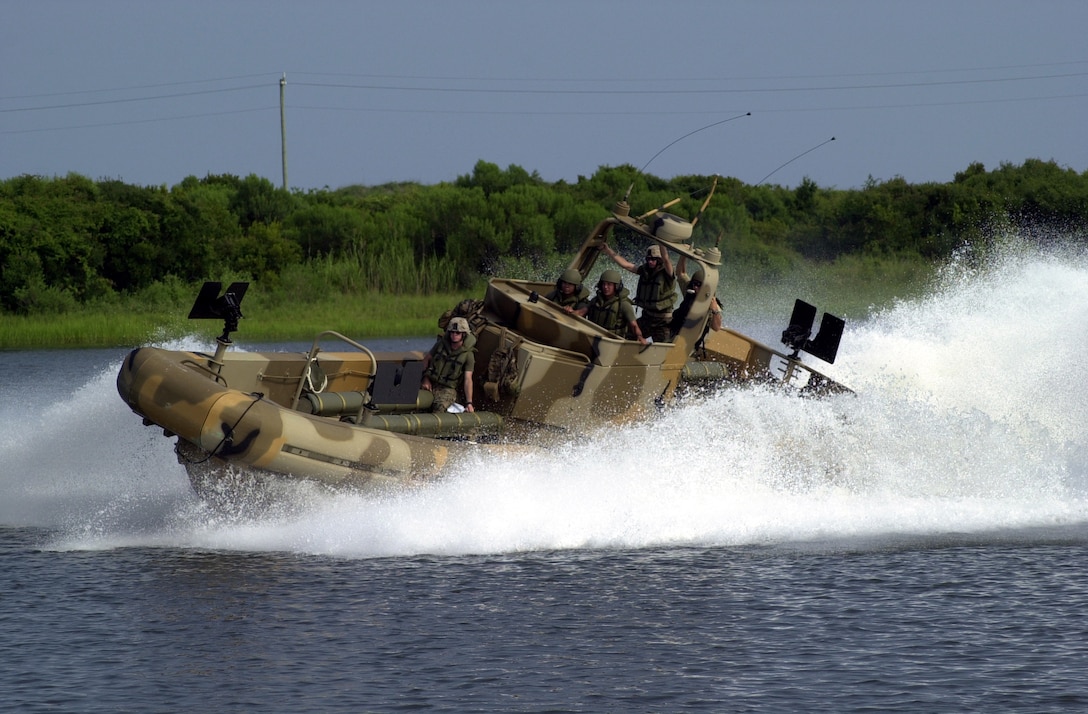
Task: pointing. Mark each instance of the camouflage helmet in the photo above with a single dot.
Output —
(457, 324)
(572, 276)
(653, 252)
(611, 276)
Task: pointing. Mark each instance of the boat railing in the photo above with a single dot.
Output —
(311, 357)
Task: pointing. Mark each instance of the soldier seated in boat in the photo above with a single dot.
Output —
(570, 294)
(656, 291)
(450, 360)
(611, 307)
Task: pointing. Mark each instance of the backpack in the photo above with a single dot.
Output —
(469, 309)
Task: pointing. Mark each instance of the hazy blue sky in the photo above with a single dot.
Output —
(151, 91)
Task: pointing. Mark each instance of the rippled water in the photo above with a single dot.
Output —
(920, 546)
(985, 623)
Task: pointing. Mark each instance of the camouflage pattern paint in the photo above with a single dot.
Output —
(538, 370)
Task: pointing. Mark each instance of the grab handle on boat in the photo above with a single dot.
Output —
(312, 355)
(214, 374)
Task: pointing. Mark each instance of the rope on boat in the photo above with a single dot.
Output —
(228, 434)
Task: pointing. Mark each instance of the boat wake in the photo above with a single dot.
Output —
(968, 419)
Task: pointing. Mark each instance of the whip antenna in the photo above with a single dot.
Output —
(706, 202)
(721, 121)
(794, 159)
(660, 208)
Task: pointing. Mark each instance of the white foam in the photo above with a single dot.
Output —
(969, 417)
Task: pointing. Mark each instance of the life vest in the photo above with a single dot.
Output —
(656, 289)
(448, 365)
(606, 313)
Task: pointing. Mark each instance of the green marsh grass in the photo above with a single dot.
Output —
(265, 319)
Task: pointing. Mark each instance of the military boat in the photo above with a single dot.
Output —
(342, 415)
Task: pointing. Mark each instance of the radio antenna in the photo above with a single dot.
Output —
(706, 202)
(794, 159)
(702, 128)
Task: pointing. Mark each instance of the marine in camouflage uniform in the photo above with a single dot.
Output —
(656, 291)
(611, 307)
(450, 360)
(569, 293)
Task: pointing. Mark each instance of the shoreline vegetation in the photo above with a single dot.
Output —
(850, 288)
(102, 263)
(131, 325)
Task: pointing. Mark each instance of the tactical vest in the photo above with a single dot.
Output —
(656, 290)
(606, 313)
(447, 365)
(581, 294)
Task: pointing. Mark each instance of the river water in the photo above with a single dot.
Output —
(919, 546)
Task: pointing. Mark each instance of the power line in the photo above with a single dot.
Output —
(569, 80)
(512, 91)
(679, 112)
(134, 121)
(479, 112)
(644, 80)
(643, 90)
(132, 87)
(918, 105)
(131, 99)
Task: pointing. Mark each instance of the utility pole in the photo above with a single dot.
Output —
(283, 128)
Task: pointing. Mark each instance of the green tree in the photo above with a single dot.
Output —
(256, 200)
(322, 229)
(491, 179)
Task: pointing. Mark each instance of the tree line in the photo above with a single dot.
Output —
(67, 241)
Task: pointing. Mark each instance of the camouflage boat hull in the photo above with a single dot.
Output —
(245, 427)
(359, 419)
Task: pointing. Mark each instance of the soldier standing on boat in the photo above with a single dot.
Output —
(612, 309)
(656, 291)
(450, 361)
(570, 294)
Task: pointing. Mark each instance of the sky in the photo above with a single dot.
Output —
(150, 92)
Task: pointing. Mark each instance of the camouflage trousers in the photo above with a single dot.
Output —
(443, 398)
(656, 325)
